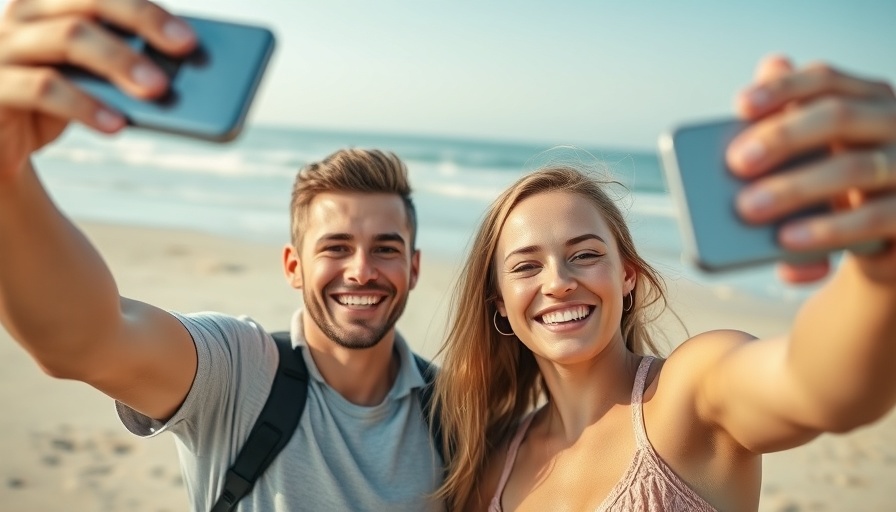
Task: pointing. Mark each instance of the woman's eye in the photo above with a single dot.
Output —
(585, 256)
(525, 267)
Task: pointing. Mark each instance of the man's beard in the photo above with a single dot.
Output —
(367, 339)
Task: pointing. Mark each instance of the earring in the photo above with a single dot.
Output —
(495, 322)
(631, 302)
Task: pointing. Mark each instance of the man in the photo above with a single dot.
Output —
(362, 443)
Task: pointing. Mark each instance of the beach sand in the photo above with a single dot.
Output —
(63, 448)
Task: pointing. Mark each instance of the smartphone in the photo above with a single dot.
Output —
(704, 189)
(210, 90)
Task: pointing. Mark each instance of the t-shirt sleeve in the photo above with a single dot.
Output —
(236, 360)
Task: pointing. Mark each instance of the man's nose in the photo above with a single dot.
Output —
(361, 269)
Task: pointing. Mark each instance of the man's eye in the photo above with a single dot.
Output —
(387, 250)
(335, 248)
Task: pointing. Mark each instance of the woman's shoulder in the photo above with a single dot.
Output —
(676, 380)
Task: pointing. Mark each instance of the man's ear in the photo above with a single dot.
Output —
(415, 269)
(292, 266)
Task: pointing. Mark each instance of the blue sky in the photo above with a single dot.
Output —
(566, 71)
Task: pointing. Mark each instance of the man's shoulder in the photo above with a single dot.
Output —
(221, 326)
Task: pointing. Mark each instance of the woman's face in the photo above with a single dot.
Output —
(560, 277)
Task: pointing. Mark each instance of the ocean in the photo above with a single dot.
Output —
(242, 189)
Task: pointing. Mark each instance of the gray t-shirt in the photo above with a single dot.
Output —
(342, 456)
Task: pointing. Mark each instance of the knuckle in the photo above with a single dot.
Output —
(884, 89)
(873, 217)
(839, 112)
(890, 119)
(17, 9)
(779, 133)
(823, 71)
(787, 190)
(147, 11)
(855, 169)
(45, 83)
(75, 29)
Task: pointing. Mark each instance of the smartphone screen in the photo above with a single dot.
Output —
(704, 190)
(210, 90)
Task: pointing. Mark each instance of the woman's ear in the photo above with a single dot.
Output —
(292, 266)
(630, 277)
(499, 305)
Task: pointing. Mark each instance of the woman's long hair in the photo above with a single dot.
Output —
(489, 381)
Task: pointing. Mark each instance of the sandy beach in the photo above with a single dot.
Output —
(64, 449)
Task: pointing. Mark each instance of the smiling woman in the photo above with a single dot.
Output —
(551, 394)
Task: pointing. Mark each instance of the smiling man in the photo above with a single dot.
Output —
(362, 442)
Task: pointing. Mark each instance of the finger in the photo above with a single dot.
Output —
(781, 137)
(46, 91)
(772, 67)
(806, 84)
(83, 43)
(804, 273)
(787, 192)
(161, 29)
(873, 220)
(769, 69)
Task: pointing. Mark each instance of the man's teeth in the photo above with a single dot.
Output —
(358, 300)
(565, 315)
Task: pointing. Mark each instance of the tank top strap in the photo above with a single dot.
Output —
(638, 401)
(510, 459)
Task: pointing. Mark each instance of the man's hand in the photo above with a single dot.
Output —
(37, 102)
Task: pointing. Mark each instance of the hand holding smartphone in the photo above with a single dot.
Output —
(210, 90)
(704, 189)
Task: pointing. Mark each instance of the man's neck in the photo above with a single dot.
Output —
(361, 376)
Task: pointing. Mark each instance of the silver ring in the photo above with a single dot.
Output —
(881, 168)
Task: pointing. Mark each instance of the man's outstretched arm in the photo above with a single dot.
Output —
(58, 298)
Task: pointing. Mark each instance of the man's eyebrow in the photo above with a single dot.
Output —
(335, 237)
(389, 237)
(348, 237)
(529, 249)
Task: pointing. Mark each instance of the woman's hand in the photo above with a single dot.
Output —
(798, 110)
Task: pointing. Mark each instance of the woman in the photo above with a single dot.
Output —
(553, 304)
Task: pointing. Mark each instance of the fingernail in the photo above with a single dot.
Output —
(148, 76)
(759, 97)
(108, 120)
(796, 235)
(749, 152)
(177, 31)
(756, 200)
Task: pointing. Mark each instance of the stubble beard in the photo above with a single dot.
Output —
(371, 336)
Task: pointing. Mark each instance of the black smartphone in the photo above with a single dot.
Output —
(210, 90)
(703, 188)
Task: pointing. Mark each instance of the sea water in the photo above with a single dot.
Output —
(243, 189)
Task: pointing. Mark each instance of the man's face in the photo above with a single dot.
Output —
(355, 267)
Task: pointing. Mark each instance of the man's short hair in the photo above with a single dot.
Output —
(368, 171)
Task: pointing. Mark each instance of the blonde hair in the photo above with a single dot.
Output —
(487, 383)
(351, 170)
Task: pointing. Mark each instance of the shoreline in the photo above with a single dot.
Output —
(64, 448)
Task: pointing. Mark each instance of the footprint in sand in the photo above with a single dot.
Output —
(213, 267)
(15, 483)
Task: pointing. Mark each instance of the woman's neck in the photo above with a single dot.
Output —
(581, 394)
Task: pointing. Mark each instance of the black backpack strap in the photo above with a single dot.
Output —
(428, 371)
(274, 427)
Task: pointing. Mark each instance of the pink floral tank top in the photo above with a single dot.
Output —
(647, 484)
